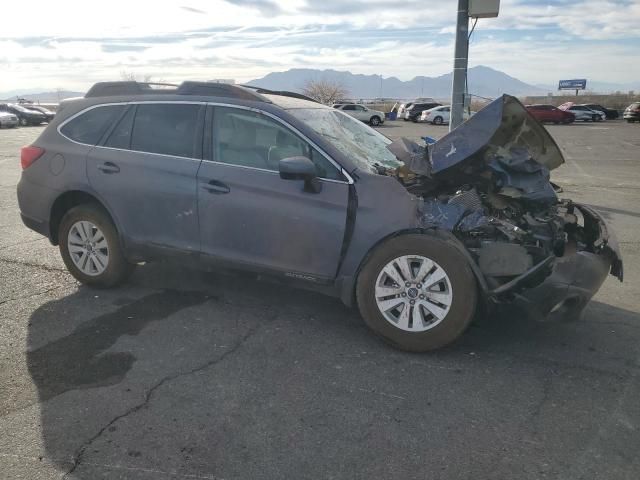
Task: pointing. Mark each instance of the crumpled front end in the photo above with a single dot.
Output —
(488, 183)
(577, 275)
(550, 259)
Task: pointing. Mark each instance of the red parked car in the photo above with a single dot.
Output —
(549, 113)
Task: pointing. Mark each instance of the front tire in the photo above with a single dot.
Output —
(417, 292)
(90, 247)
(23, 122)
(438, 120)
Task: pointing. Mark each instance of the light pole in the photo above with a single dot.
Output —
(466, 8)
(460, 62)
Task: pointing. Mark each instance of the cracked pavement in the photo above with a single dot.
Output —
(190, 375)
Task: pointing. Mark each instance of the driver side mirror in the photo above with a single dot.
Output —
(300, 168)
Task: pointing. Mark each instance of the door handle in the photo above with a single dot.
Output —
(216, 187)
(109, 167)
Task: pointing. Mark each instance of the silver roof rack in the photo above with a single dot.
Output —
(111, 89)
(283, 93)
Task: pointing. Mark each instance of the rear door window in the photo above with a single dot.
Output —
(90, 126)
(166, 128)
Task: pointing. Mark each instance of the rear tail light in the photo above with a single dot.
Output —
(30, 154)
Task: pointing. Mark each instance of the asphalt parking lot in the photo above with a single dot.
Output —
(182, 374)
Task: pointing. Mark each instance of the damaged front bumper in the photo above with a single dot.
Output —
(574, 279)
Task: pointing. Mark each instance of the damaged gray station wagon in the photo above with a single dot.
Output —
(419, 238)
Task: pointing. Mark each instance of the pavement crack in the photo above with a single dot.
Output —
(48, 268)
(79, 455)
(34, 294)
(4, 247)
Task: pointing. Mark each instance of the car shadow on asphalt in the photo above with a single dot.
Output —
(72, 368)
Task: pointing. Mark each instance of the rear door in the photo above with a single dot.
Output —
(250, 216)
(446, 113)
(545, 114)
(361, 113)
(350, 110)
(145, 170)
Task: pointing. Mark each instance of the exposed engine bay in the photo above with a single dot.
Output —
(488, 183)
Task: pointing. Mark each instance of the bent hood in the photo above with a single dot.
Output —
(503, 125)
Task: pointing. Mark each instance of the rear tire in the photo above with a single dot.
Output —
(91, 249)
(445, 308)
(374, 121)
(23, 122)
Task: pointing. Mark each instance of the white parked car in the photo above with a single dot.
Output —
(440, 115)
(8, 120)
(367, 115)
(583, 113)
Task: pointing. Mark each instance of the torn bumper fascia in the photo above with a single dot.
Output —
(574, 279)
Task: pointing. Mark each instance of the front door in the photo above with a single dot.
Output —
(146, 173)
(252, 217)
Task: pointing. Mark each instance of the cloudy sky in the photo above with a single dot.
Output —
(71, 43)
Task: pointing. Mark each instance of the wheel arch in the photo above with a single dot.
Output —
(348, 284)
(66, 201)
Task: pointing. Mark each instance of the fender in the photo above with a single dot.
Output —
(347, 284)
(82, 189)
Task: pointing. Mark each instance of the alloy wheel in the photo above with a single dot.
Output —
(88, 248)
(413, 293)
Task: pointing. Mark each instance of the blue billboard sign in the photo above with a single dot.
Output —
(576, 84)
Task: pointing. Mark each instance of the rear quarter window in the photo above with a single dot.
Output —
(90, 126)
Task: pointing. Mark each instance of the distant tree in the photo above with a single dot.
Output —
(325, 91)
(132, 77)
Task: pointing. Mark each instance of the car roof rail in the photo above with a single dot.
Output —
(283, 93)
(110, 89)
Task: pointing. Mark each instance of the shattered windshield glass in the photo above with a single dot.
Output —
(362, 144)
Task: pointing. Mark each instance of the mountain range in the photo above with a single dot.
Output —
(39, 95)
(482, 81)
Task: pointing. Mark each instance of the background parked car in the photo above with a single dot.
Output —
(372, 117)
(37, 108)
(582, 113)
(632, 112)
(414, 112)
(8, 120)
(440, 115)
(25, 116)
(603, 115)
(610, 113)
(549, 113)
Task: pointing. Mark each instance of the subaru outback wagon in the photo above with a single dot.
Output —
(419, 238)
